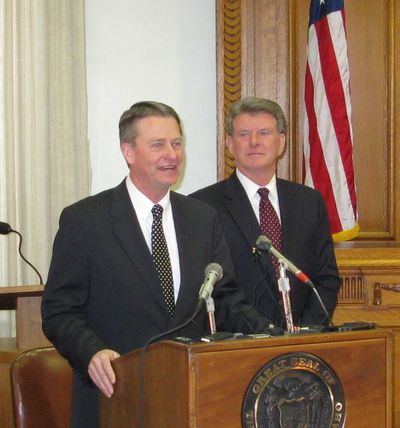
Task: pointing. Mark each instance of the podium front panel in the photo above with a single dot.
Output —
(360, 365)
(203, 385)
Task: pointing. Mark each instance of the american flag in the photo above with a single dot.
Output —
(328, 135)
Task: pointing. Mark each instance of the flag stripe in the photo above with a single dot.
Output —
(334, 47)
(327, 139)
(328, 147)
(316, 160)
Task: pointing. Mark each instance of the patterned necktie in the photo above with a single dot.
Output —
(270, 225)
(161, 258)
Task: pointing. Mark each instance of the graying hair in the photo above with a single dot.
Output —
(254, 105)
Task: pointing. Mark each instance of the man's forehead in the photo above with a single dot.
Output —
(246, 117)
(157, 122)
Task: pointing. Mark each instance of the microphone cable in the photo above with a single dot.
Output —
(264, 245)
(141, 367)
(5, 229)
(322, 305)
(263, 281)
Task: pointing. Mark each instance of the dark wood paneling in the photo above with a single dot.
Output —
(370, 35)
(272, 55)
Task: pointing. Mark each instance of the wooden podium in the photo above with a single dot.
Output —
(202, 385)
(25, 300)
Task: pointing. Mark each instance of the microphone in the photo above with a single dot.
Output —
(5, 229)
(264, 244)
(213, 273)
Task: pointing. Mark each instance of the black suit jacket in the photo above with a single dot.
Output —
(306, 242)
(103, 290)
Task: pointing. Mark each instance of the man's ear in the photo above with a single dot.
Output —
(128, 152)
(228, 142)
(282, 144)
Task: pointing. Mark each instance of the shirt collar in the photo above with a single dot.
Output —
(142, 203)
(251, 188)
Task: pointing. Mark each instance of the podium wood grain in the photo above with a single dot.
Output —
(25, 300)
(203, 385)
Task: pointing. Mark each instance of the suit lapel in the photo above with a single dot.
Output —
(186, 235)
(289, 214)
(128, 232)
(238, 205)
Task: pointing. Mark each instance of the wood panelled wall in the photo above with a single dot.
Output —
(261, 49)
(252, 59)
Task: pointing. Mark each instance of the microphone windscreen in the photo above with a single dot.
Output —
(216, 268)
(263, 243)
(5, 228)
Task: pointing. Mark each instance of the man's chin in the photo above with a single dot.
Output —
(256, 165)
(169, 181)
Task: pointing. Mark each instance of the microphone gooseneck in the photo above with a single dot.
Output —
(5, 229)
(213, 273)
(264, 244)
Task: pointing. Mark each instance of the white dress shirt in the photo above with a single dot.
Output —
(251, 189)
(142, 206)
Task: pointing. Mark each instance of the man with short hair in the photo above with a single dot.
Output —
(128, 263)
(253, 201)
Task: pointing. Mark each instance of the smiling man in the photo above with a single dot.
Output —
(128, 263)
(253, 201)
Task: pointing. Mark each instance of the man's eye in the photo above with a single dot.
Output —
(264, 132)
(244, 133)
(177, 144)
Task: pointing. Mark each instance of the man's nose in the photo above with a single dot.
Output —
(170, 151)
(253, 138)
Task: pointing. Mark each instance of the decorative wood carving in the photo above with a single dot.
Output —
(261, 49)
(352, 289)
(229, 48)
(272, 62)
(252, 59)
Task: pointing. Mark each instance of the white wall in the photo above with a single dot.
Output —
(161, 50)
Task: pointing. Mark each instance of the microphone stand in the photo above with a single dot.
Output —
(211, 314)
(214, 335)
(264, 244)
(284, 288)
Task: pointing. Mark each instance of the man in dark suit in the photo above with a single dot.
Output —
(103, 296)
(256, 131)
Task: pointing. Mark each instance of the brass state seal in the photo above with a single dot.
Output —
(295, 390)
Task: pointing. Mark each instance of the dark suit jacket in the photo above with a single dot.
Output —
(103, 290)
(306, 242)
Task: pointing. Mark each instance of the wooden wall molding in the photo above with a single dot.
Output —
(229, 50)
(252, 57)
(352, 289)
(268, 39)
(272, 65)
